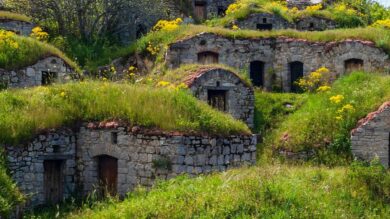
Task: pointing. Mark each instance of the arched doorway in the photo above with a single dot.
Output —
(352, 65)
(256, 71)
(108, 174)
(296, 72)
(208, 58)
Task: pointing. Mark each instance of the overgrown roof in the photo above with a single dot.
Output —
(26, 112)
(7, 15)
(19, 52)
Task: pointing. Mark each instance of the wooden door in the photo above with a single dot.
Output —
(352, 65)
(257, 73)
(296, 72)
(108, 174)
(205, 58)
(217, 99)
(200, 10)
(53, 182)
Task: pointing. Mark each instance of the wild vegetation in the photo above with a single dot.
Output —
(275, 191)
(6, 15)
(18, 51)
(28, 111)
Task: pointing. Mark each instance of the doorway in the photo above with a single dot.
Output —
(200, 11)
(217, 99)
(48, 77)
(257, 73)
(352, 65)
(53, 181)
(208, 58)
(296, 73)
(108, 174)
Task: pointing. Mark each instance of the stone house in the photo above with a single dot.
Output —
(223, 90)
(46, 71)
(371, 138)
(206, 9)
(276, 63)
(19, 27)
(315, 23)
(114, 157)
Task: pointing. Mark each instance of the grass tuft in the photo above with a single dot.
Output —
(6, 15)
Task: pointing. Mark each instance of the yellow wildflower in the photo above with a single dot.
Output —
(323, 88)
(163, 83)
(62, 94)
(235, 27)
(336, 99)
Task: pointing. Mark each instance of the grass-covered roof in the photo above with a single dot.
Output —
(19, 51)
(26, 112)
(7, 15)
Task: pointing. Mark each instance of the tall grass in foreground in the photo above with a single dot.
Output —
(324, 124)
(257, 192)
(25, 112)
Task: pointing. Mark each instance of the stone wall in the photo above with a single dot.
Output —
(240, 97)
(253, 20)
(277, 54)
(315, 24)
(371, 138)
(139, 155)
(142, 157)
(19, 27)
(26, 163)
(33, 75)
(215, 8)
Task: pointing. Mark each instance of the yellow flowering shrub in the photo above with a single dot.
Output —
(324, 88)
(318, 80)
(163, 83)
(336, 99)
(313, 8)
(168, 25)
(7, 41)
(152, 49)
(382, 23)
(39, 34)
(235, 27)
(233, 8)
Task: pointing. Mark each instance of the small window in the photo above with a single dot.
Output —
(217, 99)
(264, 26)
(264, 20)
(114, 137)
(218, 84)
(53, 61)
(208, 58)
(48, 77)
(221, 11)
(56, 149)
(311, 26)
(203, 42)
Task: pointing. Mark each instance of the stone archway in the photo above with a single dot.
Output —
(351, 65)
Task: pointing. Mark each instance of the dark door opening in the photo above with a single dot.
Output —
(257, 73)
(53, 181)
(208, 58)
(352, 65)
(221, 11)
(296, 73)
(48, 77)
(108, 174)
(264, 26)
(217, 99)
(200, 10)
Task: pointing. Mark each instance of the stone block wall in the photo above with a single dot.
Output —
(26, 163)
(142, 157)
(315, 24)
(19, 27)
(277, 54)
(139, 155)
(240, 99)
(32, 75)
(371, 138)
(254, 19)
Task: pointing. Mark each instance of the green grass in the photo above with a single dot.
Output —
(6, 15)
(256, 192)
(18, 52)
(9, 193)
(28, 111)
(319, 125)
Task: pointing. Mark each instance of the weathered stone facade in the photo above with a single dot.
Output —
(315, 24)
(278, 56)
(237, 95)
(27, 164)
(371, 138)
(140, 156)
(46, 71)
(210, 8)
(263, 21)
(18, 27)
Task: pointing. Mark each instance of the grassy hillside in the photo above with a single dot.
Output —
(257, 192)
(26, 112)
(324, 121)
(18, 51)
